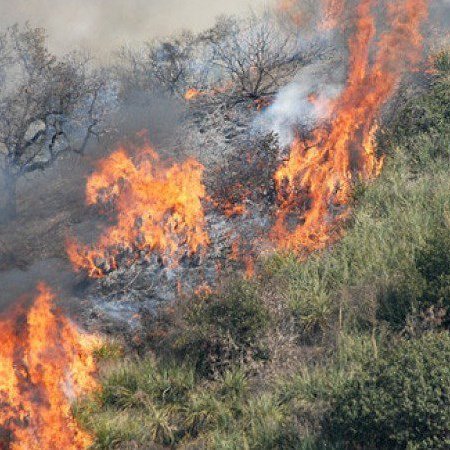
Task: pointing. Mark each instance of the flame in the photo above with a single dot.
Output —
(192, 94)
(44, 364)
(314, 185)
(159, 208)
(232, 210)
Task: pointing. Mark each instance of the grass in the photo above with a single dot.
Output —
(269, 364)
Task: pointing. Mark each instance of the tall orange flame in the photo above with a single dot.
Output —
(315, 184)
(159, 208)
(44, 363)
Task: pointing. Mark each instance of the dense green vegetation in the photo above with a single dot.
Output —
(347, 350)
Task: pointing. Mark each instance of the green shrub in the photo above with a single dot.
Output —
(223, 329)
(422, 126)
(433, 263)
(136, 384)
(237, 313)
(400, 401)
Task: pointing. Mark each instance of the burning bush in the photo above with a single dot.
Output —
(158, 207)
(315, 183)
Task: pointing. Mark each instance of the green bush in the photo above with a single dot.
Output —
(135, 384)
(433, 263)
(422, 127)
(223, 329)
(400, 401)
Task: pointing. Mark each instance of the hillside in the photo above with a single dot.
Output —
(234, 238)
(348, 349)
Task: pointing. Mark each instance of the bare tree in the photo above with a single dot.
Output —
(47, 107)
(171, 64)
(255, 54)
(170, 61)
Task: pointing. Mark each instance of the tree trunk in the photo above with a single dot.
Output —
(10, 202)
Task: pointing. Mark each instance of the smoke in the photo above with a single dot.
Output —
(440, 14)
(17, 283)
(303, 102)
(104, 25)
(156, 112)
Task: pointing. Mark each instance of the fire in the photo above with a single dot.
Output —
(44, 364)
(158, 207)
(315, 184)
(192, 94)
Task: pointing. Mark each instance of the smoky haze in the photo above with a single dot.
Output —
(101, 26)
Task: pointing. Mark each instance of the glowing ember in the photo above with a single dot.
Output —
(159, 208)
(192, 94)
(314, 185)
(44, 364)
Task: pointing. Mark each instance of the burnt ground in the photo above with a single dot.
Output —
(239, 170)
(48, 205)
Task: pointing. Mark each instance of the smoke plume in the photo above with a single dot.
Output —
(104, 25)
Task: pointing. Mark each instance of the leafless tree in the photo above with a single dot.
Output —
(170, 61)
(169, 64)
(48, 106)
(255, 55)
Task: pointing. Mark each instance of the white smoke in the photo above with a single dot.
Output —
(303, 102)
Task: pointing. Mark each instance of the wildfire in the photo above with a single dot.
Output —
(314, 185)
(44, 364)
(158, 207)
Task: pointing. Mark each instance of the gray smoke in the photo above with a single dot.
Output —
(17, 283)
(101, 26)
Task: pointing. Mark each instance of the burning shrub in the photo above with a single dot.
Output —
(249, 177)
(320, 170)
(158, 209)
